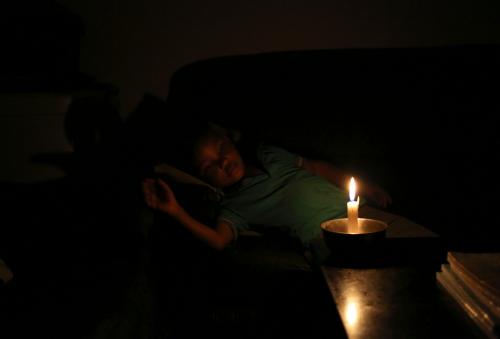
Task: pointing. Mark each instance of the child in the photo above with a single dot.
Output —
(271, 187)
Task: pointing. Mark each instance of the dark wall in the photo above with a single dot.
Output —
(137, 45)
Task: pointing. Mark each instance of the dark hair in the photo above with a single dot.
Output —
(246, 146)
(178, 149)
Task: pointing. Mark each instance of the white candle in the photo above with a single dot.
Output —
(352, 208)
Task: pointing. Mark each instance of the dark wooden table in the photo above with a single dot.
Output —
(392, 292)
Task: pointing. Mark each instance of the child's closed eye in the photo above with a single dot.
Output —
(224, 148)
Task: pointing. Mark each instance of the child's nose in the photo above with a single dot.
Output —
(223, 163)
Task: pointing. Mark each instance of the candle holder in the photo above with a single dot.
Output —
(340, 239)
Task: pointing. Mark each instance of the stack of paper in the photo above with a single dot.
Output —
(473, 280)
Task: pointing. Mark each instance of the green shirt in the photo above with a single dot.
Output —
(286, 195)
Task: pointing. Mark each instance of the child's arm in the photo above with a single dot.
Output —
(341, 178)
(159, 196)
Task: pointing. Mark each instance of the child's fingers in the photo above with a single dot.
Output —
(147, 189)
(149, 193)
(152, 201)
(147, 185)
(163, 192)
(148, 196)
(164, 185)
(156, 192)
(149, 202)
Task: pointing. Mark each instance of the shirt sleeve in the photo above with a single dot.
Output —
(237, 222)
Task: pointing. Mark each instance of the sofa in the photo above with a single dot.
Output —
(421, 122)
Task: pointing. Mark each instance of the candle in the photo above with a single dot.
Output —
(352, 208)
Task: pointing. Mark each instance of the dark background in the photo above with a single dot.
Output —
(420, 122)
(422, 115)
(57, 53)
(137, 45)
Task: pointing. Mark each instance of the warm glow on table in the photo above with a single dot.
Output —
(351, 314)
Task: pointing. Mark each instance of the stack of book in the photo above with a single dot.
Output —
(473, 280)
(5, 273)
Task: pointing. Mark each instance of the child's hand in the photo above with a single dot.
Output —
(376, 194)
(158, 195)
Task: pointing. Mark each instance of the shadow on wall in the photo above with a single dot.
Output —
(73, 243)
(91, 124)
(92, 121)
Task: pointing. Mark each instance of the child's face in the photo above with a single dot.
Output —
(218, 161)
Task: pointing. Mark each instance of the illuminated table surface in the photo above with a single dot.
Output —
(394, 293)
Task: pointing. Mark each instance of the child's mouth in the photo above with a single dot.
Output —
(230, 169)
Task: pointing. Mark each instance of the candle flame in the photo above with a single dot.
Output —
(352, 189)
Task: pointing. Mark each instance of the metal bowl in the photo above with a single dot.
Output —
(339, 238)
